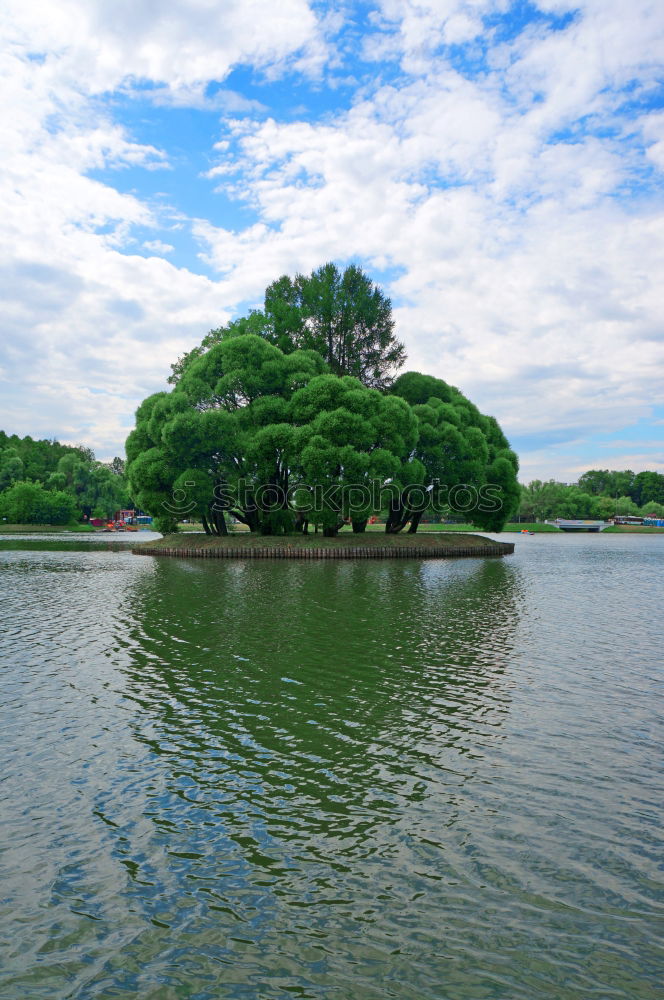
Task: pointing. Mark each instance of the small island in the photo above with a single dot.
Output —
(294, 417)
(317, 546)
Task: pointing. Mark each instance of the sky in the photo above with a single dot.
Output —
(495, 166)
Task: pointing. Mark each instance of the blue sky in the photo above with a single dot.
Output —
(496, 166)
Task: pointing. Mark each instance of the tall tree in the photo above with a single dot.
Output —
(343, 316)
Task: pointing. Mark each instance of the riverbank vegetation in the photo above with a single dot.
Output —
(292, 416)
(45, 529)
(48, 483)
(599, 494)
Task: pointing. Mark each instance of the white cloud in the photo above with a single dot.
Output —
(497, 200)
(156, 246)
(177, 43)
(524, 275)
(89, 329)
(564, 465)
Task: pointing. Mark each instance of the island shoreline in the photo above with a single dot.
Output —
(319, 547)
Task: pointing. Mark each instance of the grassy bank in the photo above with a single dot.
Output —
(538, 527)
(292, 545)
(468, 527)
(40, 529)
(641, 529)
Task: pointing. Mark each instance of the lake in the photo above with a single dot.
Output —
(260, 781)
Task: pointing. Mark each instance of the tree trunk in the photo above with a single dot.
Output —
(396, 517)
(215, 522)
(251, 520)
(359, 526)
(301, 524)
(400, 514)
(414, 523)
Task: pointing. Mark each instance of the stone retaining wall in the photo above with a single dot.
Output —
(338, 552)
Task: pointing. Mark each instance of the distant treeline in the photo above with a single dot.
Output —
(45, 482)
(599, 493)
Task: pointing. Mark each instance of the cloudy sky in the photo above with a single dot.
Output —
(496, 166)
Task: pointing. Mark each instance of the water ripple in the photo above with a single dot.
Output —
(331, 780)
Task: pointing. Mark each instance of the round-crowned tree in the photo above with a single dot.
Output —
(222, 440)
(467, 465)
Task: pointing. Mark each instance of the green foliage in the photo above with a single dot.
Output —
(223, 434)
(648, 486)
(94, 485)
(457, 445)
(604, 482)
(539, 500)
(61, 468)
(29, 503)
(39, 458)
(11, 467)
(342, 316)
(255, 323)
(603, 507)
(575, 504)
(284, 417)
(263, 434)
(626, 507)
(653, 509)
(347, 439)
(547, 501)
(543, 501)
(641, 488)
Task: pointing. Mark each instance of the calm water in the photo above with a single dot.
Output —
(356, 781)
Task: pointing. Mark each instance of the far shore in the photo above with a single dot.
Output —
(425, 529)
(374, 529)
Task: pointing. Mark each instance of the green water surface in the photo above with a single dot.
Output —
(413, 780)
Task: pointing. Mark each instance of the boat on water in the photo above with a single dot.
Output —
(571, 525)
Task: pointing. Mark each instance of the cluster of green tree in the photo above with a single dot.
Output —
(26, 502)
(291, 416)
(37, 458)
(45, 482)
(597, 495)
(642, 488)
